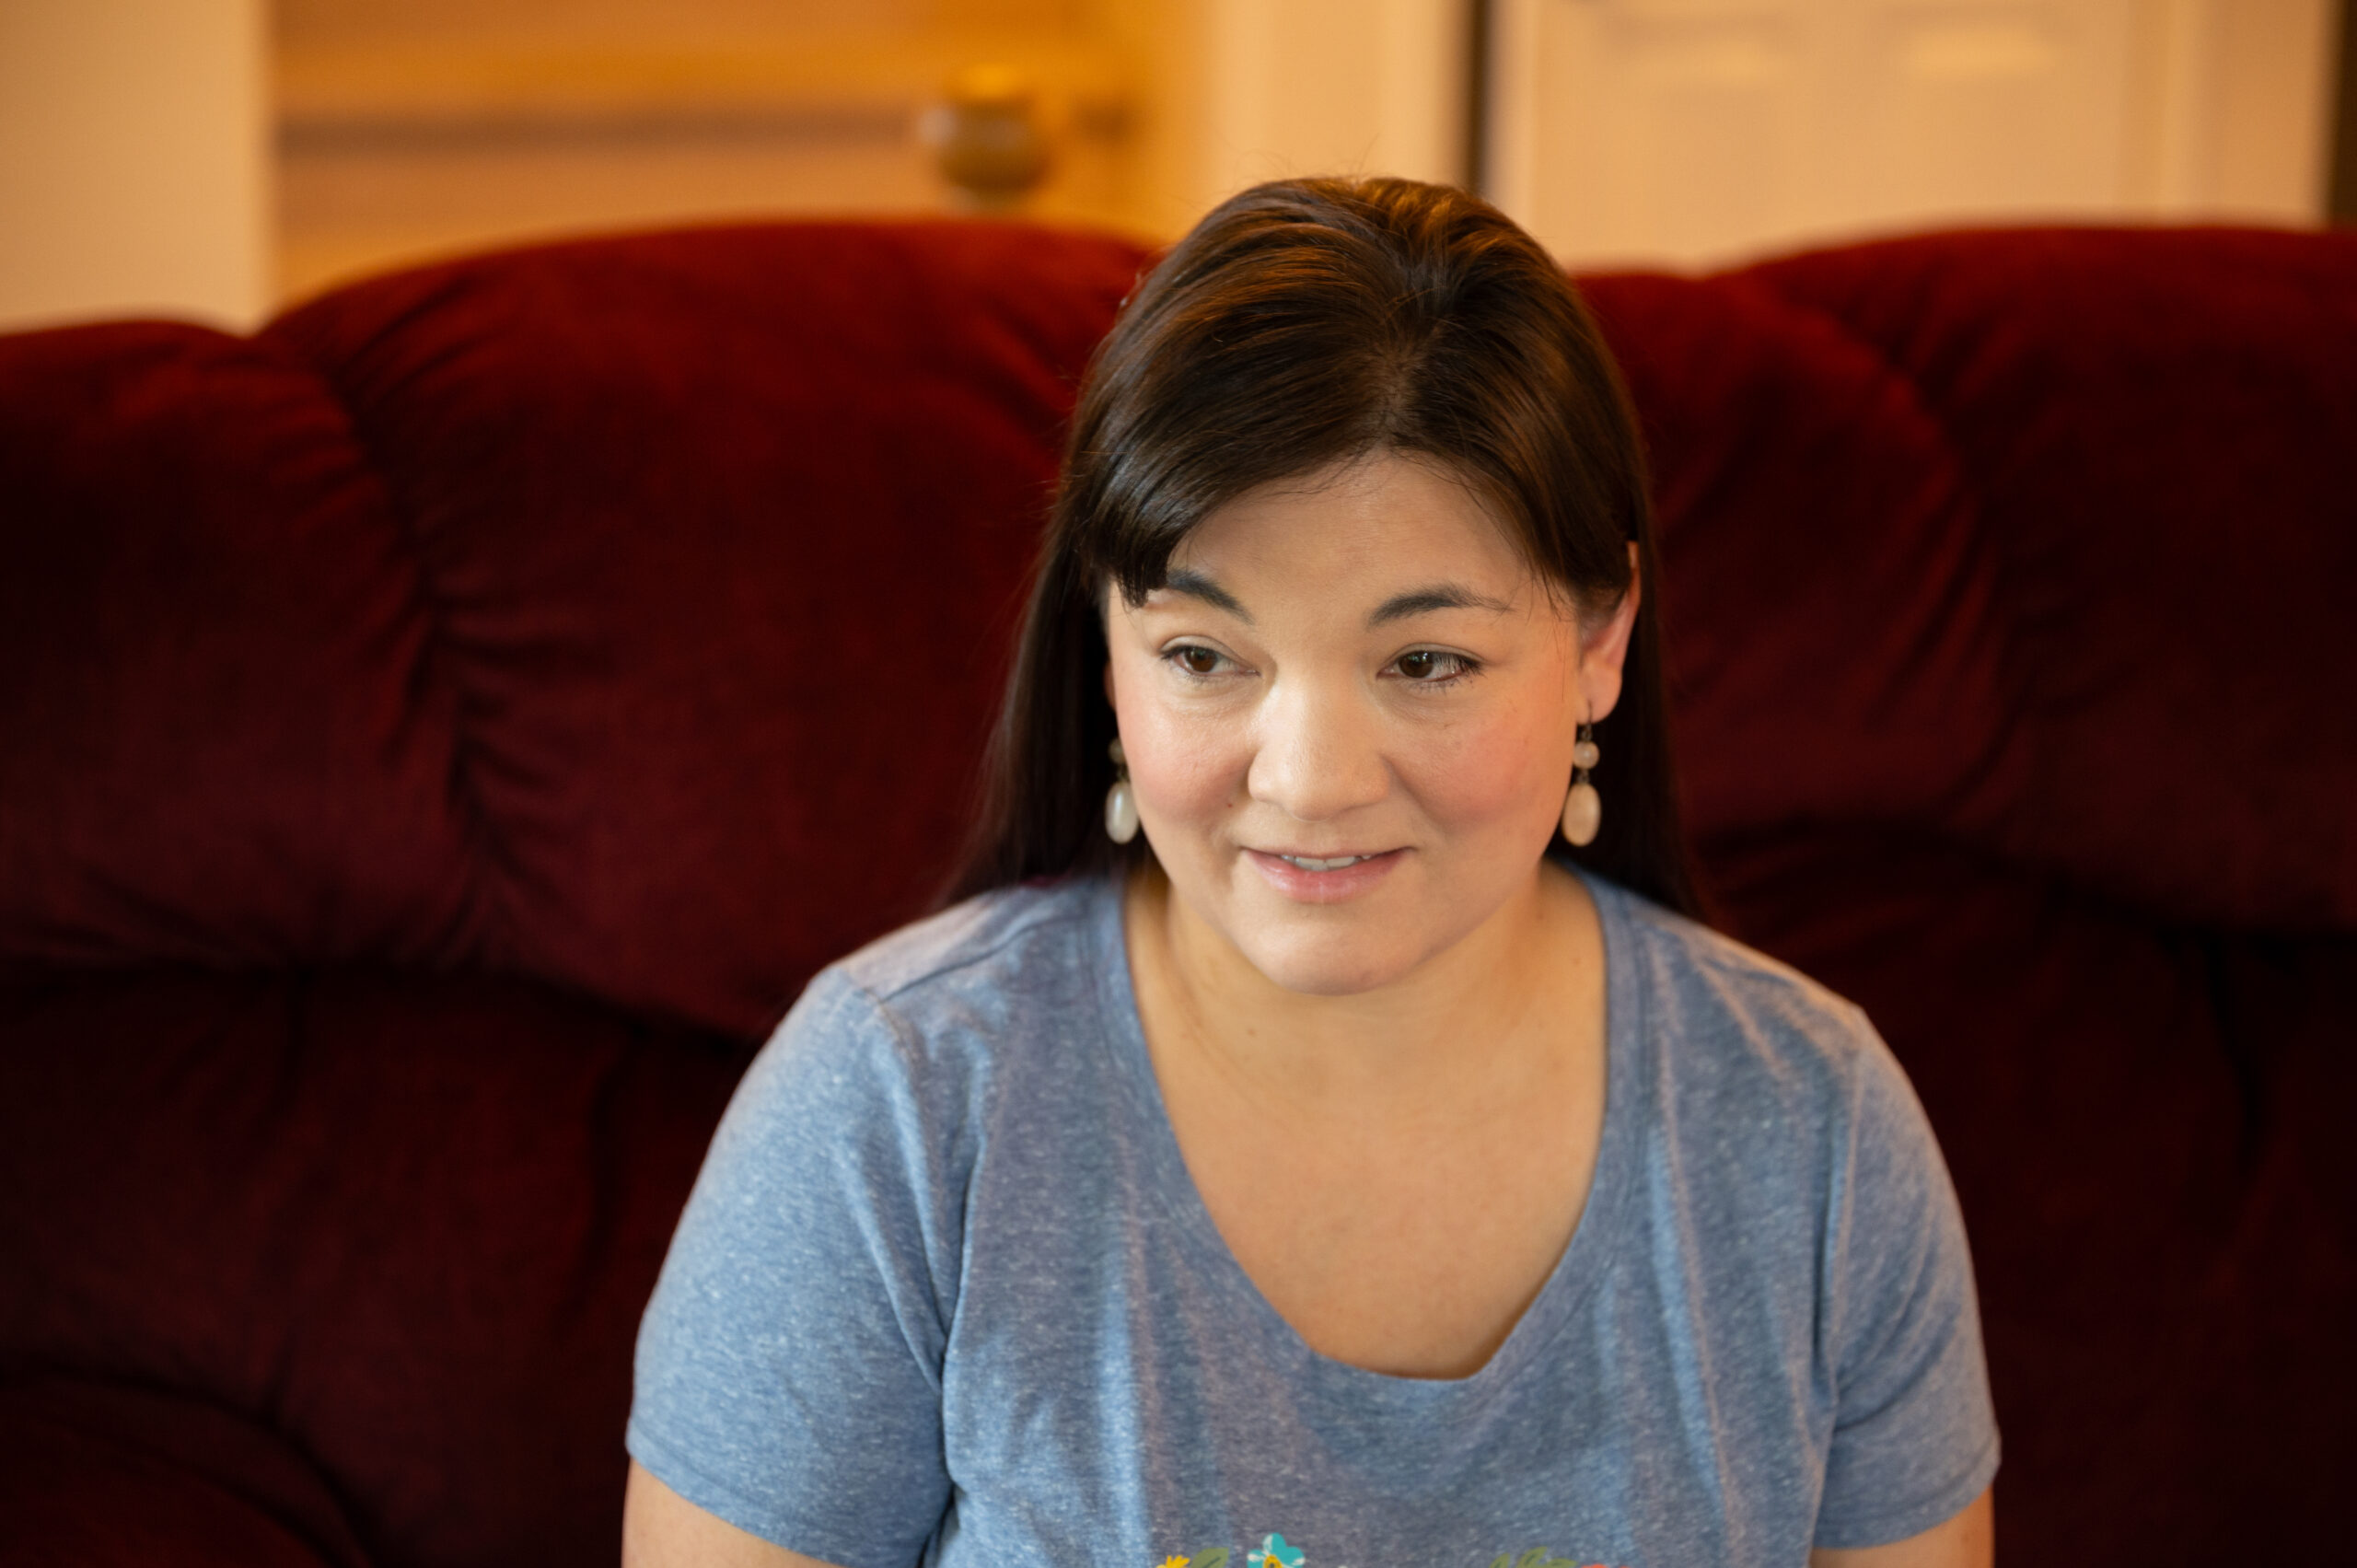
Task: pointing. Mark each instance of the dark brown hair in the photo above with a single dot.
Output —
(1301, 324)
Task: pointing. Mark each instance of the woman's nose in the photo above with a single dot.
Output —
(1320, 752)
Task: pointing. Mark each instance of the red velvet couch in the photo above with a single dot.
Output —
(439, 734)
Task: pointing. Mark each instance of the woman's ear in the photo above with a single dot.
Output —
(1604, 647)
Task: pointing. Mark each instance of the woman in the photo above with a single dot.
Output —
(1317, 1139)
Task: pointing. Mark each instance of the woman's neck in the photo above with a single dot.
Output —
(1476, 1021)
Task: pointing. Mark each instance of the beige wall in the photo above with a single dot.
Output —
(134, 160)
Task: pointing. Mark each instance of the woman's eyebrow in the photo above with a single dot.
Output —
(1195, 584)
(1440, 596)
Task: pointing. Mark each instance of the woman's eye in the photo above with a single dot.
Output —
(1430, 668)
(1196, 660)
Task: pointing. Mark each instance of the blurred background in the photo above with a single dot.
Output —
(220, 158)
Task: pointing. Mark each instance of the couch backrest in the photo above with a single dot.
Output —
(625, 614)
(629, 613)
(2037, 541)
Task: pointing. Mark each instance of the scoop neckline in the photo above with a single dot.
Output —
(1346, 1389)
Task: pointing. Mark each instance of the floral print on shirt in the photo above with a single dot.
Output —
(1275, 1551)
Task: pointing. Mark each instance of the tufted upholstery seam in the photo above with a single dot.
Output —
(1984, 556)
(485, 876)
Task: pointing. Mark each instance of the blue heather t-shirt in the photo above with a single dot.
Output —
(946, 1292)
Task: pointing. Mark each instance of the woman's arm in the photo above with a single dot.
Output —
(663, 1529)
(1969, 1540)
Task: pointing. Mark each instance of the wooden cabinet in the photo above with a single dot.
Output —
(408, 128)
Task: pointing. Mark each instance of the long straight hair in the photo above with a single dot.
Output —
(1304, 323)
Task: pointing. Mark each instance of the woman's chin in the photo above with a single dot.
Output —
(1328, 963)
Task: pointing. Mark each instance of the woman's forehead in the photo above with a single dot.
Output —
(1380, 516)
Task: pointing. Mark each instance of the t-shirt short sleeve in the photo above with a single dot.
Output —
(1915, 1435)
(789, 1364)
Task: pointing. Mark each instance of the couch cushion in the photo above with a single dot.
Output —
(723, 533)
(1830, 605)
(97, 1476)
(224, 742)
(408, 1223)
(627, 614)
(2062, 518)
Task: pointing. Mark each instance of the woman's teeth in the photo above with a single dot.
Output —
(1308, 864)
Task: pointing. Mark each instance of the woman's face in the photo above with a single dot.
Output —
(1349, 719)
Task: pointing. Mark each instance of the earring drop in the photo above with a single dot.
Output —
(1582, 807)
(1120, 807)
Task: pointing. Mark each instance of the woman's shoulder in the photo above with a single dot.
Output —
(1772, 1085)
(1727, 1014)
(917, 1030)
(962, 983)
(1007, 938)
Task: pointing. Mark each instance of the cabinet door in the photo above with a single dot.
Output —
(1696, 129)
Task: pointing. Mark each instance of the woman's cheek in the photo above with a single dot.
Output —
(1491, 768)
(1186, 767)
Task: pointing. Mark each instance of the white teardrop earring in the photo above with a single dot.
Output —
(1120, 806)
(1582, 807)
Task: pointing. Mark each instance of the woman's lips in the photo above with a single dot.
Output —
(1331, 885)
